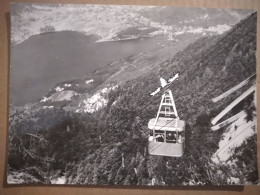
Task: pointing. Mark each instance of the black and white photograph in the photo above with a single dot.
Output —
(127, 95)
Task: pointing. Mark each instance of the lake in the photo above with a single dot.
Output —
(41, 61)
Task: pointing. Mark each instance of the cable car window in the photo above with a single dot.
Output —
(171, 137)
(159, 136)
(180, 137)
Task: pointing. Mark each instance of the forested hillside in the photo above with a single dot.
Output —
(109, 146)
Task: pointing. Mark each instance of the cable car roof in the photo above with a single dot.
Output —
(166, 124)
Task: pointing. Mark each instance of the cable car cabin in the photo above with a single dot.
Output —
(167, 131)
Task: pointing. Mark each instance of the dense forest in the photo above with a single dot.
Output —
(109, 146)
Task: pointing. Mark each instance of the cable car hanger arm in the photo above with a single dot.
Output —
(165, 85)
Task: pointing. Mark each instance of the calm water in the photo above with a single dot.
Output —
(40, 62)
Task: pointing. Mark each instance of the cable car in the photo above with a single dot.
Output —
(167, 131)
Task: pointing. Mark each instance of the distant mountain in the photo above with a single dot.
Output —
(195, 17)
(110, 22)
